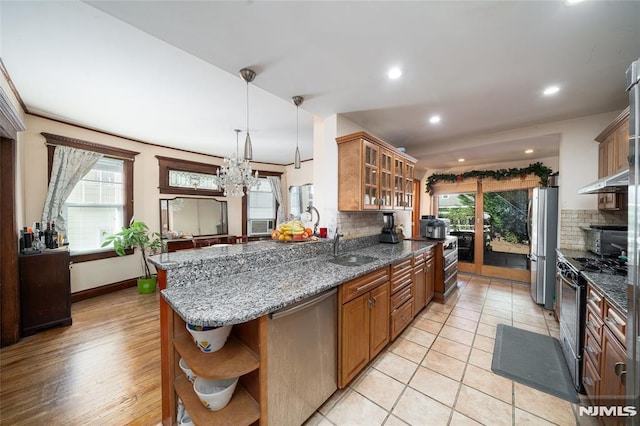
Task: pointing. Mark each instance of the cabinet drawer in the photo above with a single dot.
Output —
(401, 282)
(592, 348)
(615, 322)
(595, 301)
(418, 259)
(401, 297)
(401, 267)
(591, 380)
(593, 324)
(358, 286)
(428, 254)
(400, 318)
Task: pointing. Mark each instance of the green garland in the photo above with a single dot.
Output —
(537, 169)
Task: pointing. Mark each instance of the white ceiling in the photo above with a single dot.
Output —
(166, 72)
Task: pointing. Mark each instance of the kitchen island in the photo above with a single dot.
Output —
(240, 285)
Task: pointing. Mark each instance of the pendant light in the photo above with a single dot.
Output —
(297, 101)
(248, 75)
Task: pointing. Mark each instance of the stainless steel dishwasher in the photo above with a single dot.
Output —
(301, 358)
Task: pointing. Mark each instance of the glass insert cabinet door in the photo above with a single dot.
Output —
(371, 176)
(386, 178)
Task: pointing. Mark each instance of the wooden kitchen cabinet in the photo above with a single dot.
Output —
(402, 296)
(430, 276)
(419, 283)
(605, 355)
(45, 290)
(372, 174)
(363, 322)
(240, 357)
(612, 391)
(613, 155)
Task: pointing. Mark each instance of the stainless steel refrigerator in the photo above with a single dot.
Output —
(543, 234)
(633, 244)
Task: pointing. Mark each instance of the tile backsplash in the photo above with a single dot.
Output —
(362, 224)
(571, 221)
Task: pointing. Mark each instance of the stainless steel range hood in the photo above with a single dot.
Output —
(614, 183)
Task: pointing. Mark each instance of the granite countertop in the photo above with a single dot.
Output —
(203, 295)
(614, 287)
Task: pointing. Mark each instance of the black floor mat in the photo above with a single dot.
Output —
(534, 360)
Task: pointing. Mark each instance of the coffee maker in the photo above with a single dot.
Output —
(388, 234)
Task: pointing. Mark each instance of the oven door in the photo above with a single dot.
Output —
(571, 301)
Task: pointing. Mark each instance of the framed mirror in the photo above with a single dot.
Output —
(300, 199)
(184, 217)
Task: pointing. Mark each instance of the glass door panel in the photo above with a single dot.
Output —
(460, 209)
(386, 176)
(371, 176)
(505, 240)
(398, 182)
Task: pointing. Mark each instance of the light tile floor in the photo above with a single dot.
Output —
(438, 372)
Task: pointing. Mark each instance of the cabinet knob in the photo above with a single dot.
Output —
(620, 368)
(587, 381)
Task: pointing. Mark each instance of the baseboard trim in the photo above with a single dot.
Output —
(102, 290)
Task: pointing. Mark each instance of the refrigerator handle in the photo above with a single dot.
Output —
(529, 220)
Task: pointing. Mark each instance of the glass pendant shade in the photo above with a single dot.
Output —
(296, 163)
(248, 148)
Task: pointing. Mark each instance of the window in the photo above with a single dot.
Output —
(101, 203)
(95, 208)
(261, 209)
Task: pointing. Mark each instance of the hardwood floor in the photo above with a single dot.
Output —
(104, 369)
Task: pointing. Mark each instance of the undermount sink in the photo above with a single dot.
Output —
(352, 260)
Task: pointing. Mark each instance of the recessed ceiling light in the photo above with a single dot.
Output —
(572, 2)
(394, 73)
(528, 151)
(551, 90)
(434, 119)
(460, 160)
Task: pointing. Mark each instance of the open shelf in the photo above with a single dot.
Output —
(233, 360)
(241, 410)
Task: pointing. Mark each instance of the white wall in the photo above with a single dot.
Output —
(325, 170)
(88, 275)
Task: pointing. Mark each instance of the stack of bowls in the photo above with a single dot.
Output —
(209, 339)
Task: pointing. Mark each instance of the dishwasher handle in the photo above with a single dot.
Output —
(302, 305)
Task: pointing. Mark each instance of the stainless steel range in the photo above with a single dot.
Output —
(571, 287)
(571, 296)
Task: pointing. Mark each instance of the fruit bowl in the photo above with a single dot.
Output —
(292, 232)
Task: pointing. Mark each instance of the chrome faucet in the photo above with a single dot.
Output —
(336, 242)
(315, 225)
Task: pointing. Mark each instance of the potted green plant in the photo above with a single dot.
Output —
(137, 235)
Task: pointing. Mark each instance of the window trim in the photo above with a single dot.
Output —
(111, 152)
(166, 164)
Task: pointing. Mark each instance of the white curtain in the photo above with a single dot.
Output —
(274, 181)
(68, 168)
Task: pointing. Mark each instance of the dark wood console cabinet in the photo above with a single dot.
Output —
(45, 290)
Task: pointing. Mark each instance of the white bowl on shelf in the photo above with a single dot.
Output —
(187, 371)
(215, 394)
(209, 339)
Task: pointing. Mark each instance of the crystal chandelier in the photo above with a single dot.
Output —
(235, 174)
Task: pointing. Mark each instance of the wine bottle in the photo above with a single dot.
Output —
(54, 236)
(47, 236)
